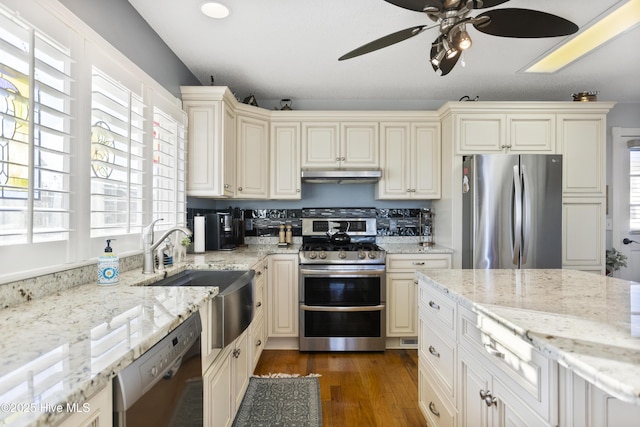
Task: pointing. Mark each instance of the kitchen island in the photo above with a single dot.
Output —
(579, 325)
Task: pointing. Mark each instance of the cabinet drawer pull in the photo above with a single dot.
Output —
(434, 411)
(433, 351)
(493, 351)
(417, 263)
(434, 305)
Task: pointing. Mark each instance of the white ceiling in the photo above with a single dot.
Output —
(278, 49)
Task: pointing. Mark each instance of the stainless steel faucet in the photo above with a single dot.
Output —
(150, 247)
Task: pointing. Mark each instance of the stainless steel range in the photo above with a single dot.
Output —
(342, 281)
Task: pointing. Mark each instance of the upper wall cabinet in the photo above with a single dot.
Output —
(340, 145)
(253, 157)
(505, 133)
(285, 180)
(211, 147)
(410, 160)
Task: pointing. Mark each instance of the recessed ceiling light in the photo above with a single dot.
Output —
(605, 29)
(215, 10)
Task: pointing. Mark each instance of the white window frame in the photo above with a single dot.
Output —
(88, 49)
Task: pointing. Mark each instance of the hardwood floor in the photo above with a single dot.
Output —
(357, 389)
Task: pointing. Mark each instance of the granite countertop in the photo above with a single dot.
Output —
(64, 347)
(413, 248)
(588, 323)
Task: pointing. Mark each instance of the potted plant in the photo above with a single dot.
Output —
(615, 260)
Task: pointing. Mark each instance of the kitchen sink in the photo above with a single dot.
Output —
(231, 311)
(225, 280)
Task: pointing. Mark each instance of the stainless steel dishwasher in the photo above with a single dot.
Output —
(163, 387)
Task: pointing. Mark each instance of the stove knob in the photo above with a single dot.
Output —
(372, 255)
(323, 255)
(342, 254)
(361, 255)
(313, 255)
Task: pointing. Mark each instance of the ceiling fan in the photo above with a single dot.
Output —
(451, 18)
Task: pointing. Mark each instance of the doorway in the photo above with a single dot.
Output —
(621, 202)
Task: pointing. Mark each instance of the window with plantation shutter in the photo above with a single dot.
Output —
(169, 177)
(35, 140)
(117, 158)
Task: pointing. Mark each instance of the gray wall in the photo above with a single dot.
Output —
(123, 27)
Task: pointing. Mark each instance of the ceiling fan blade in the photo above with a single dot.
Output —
(418, 5)
(485, 4)
(385, 41)
(524, 23)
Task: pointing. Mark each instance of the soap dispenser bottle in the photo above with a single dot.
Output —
(108, 266)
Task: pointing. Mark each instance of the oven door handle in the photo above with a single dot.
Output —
(356, 272)
(343, 309)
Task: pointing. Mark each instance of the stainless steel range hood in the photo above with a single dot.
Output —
(341, 176)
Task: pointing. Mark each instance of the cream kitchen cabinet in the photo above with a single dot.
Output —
(473, 371)
(253, 157)
(526, 132)
(583, 233)
(99, 411)
(258, 330)
(340, 145)
(285, 183)
(226, 381)
(282, 295)
(402, 292)
(583, 404)
(410, 161)
(211, 141)
(583, 146)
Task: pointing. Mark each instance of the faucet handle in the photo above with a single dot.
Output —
(147, 232)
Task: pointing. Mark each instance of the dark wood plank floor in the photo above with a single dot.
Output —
(357, 389)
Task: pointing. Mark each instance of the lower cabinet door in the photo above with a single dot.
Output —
(218, 411)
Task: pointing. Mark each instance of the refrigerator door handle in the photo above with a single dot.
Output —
(516, 215)
(527, 218)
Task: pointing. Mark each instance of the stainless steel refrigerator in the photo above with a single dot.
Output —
(512, 211)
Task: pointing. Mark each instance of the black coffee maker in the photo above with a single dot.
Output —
(219, 234)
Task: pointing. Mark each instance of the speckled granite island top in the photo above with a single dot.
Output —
(588, 323)
(64, 347)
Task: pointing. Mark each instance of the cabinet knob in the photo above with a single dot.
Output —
(258, 343)
(259, 304)
(239, 188)
(489, 400)
(236, 353)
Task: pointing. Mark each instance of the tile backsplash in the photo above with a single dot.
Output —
(266, 222)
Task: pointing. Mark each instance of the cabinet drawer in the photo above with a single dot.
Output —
(439, 354)
(433, 406)
(524, 370)
(412, 262)
(438, 309)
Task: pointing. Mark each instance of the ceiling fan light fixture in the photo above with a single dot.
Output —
(437, 59)
(215, 10)
(462, 40)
